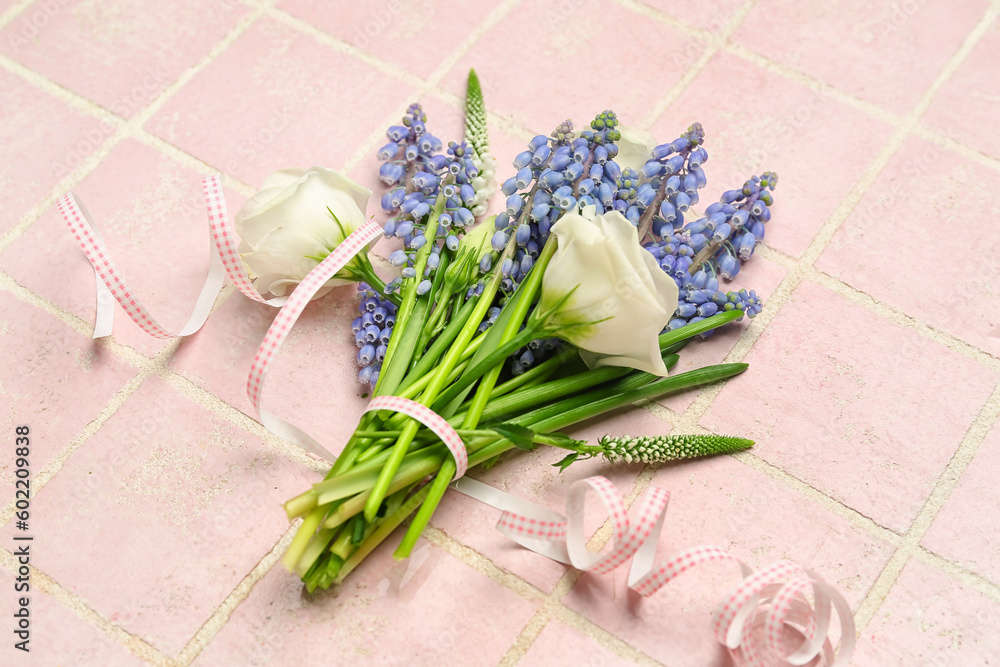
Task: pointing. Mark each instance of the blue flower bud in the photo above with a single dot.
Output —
(366, 355)
(451, 242)
(707, 309)
(468, 194)
(539, 211)
(424, 287)
(573, 171)
(674, 164)
(690, 184)
(560, 161)
(510, 186)
(409, 272)
(502, 221)
(404, 228)
(551, 180)
(432, 260)
(698, 296)
(612, 170)
(514, 204)
(541, 156)
(463, 217)
(585, 187)
(444, 220)
(633, 214)
(537, 142)
(486, 263)
(418, 242)
(729, 196)
(700, 177)
(757, 229)
(596, 173)
(729, 266)
(523, 234)
(398, 132)
(526, 263)
(698, 241)
(681, 201)
(506, 266)
(600, 155)
(662, 151)
(722, 232)
(365, 374)
(522, 160)
(379, 314)
(672, 185)
(699, 279)
(522, 179)
(411, 153)
(356, 325)
(697, 157)
(667, 210)
(739, 219)
(605, 194)
(668, 262)
(758, 208)
(765, 215)
(581, 154)
(651, 169)
(390, 173)
(745, 245)
(645, 195)
(679, 144)
(388, 151)
(676, 324)
(499, 240)
(371, 333)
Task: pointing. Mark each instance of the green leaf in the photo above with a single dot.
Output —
(521, 437)
(565, 462)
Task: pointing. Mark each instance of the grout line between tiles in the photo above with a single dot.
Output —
(221, 615)
(77, 605)
(942, 490)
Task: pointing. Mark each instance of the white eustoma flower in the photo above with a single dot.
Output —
(286, 229)
(634, 147)
(619, 298)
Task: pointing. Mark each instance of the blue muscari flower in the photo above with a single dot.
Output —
(729, 266)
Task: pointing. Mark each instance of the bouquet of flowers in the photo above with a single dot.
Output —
(573, 301)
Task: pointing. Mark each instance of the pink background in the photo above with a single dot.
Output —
(872, 394)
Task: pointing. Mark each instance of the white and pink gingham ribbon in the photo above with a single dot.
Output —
(774, 598)
(110, 283)
(282, 326)
(224, 261)
(432, 420)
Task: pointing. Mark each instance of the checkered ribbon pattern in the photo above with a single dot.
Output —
(432, 420)
(751, 619)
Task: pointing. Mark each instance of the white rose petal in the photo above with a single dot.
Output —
(286, 226)
(620, 290)
(634, 147)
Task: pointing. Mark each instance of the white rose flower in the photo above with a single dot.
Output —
(619, 298)
(286, 229)
(634, 147)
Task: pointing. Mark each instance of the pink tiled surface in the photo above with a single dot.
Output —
(873, 372)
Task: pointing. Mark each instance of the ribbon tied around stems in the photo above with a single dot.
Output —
(774, 598)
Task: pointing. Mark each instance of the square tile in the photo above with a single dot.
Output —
(722, 502)
(42, 140)
(151, 213)
(160, 514)
(541, 102)
(277, 99)
(559, 644)
(817, 145)
(532, 476)
(966, 531)
(893, 245)
(931, 620)
(56, 384)
(839, 400)
(58, 636)
(103, 50)
(759, 275)
(396, 31)
(966, 105)
(887, 53)
(427, 610)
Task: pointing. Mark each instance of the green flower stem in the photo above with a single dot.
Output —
(451, 357)
(300, 504)
(534, 375)
(302, 537)
(317, 545)
(425, 364)
(385, 528)
(691, 330)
